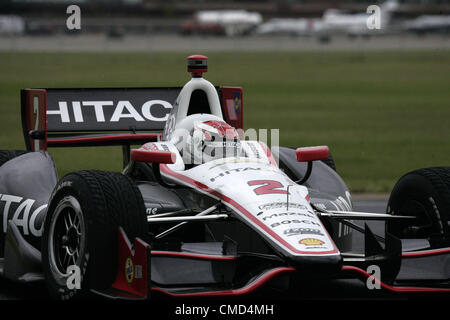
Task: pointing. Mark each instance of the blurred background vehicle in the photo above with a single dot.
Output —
(11, 25)
(333, 21)
(428, 23)
(222, 22)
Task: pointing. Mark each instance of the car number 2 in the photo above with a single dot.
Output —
(267, 187)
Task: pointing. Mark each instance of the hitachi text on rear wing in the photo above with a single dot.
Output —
(101, 117)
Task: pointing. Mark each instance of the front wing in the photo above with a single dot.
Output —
(143, 273)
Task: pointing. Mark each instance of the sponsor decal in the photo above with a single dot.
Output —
(138, 273)
(284, 222)
(151, 211)
(65, 184)
(254, 150)
(237, 102)
(150, 147)
(311, 242)
(297, 231)
(129, 270)
(222, 144)
(278, 205)
(228, 172)
(165, 147)
(283, 214)
(238, 160)
(22, 216)
(170, 124)
(120, 110)
(267, 187)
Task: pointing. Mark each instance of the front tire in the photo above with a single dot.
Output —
(424, 193)
(80, 229)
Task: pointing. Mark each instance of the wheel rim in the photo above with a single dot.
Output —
(67, 237)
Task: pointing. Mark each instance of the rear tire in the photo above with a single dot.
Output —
(424, 193)
(6, 155)
(84, 213)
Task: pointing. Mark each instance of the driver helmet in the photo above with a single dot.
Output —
(213, 139)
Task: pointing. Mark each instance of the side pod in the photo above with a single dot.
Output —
(22, 261)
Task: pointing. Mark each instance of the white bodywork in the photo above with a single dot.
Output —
(257, 192)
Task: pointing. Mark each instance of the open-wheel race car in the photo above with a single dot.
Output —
(198, 210)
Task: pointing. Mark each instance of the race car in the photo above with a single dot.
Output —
(199, 210)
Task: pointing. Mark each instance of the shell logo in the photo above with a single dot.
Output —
(129, 270)
(311, 242)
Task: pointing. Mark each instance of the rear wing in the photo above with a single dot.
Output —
(101, 117)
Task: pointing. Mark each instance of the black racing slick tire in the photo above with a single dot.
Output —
(425, 194)
(81, 229)
(6, 155)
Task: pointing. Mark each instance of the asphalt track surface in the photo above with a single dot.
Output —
(169, 42)
(352, 289)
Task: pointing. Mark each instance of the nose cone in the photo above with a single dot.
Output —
(197, 64)
(322, 266)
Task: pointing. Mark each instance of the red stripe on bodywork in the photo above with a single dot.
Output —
(258, 283)
(425, 253)
(306, 154)
(268, 153)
